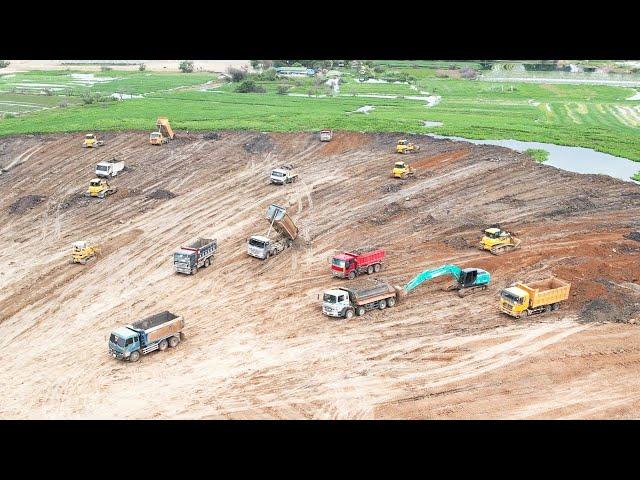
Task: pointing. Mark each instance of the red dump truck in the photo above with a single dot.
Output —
(350, 264)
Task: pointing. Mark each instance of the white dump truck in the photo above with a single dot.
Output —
(262, 246)
(110, 168)
(198, 254)
(326, 135)
(283, 174)
(346, 302)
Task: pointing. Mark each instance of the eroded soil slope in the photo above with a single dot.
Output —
(257, 344)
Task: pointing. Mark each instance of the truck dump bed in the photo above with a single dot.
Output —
(367, 257)
(282, 222)
(546, 292)
(163, 126)
(198, 244)
(159, 325)
(371, 294)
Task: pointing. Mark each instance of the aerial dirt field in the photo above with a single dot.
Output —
(256, 342)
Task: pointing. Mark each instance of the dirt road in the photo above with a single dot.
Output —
(257, 344)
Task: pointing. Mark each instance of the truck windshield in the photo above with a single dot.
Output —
(155, 135)
(95, 184)
(277, 174)
(256, 243)
(181, 258)
(329, 298)
(338, 263)
(117, 340)
(102, 168)
(510, 297)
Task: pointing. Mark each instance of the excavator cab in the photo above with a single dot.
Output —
(468, 277)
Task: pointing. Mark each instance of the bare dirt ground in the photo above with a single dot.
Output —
(257, 344)
(151, 65)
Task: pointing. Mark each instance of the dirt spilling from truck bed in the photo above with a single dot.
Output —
(257, 344)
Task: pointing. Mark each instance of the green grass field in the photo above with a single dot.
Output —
(598, 117)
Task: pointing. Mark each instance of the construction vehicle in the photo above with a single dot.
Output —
(405, 146)
(99, 187)
(521, 300)
(110, 168)
(163, 134)
(345, 302)
(467, 280)
(326, 135)
(283, 174)
(91, 141)
(350, 264)
(497, 241)
(199, 254)
(82, 252)
(402, 170)
(156, 332)
(261, 246)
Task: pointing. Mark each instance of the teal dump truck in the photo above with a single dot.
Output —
(156, 332)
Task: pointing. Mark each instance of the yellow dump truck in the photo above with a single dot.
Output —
(163, 134)
(521, 300)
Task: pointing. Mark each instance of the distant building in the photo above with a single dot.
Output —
(295, 72)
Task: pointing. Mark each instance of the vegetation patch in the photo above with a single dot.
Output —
(538, 154)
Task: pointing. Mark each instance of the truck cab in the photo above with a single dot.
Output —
(123, 342)
(184, 261)
(514, 301)
(335, 302)
(259, 246)
(90, 140)
(156, 138)
(342, 265)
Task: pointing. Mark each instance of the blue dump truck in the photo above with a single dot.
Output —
(188, 259)
(156, 332)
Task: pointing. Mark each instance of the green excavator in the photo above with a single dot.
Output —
(468, 280)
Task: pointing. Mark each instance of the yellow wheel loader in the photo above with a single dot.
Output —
(83, 252)
(402, 170)
(405, 146)
(497, 241)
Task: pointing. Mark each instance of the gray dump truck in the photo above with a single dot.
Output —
(156, 332)
(262, 246)
(188, 259)
(346, 302)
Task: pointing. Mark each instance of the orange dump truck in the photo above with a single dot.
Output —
(163, 134)
(521, 300)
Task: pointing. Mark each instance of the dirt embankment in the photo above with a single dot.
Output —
(257, 344)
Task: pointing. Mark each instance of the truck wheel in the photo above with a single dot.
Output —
(134, 357)
(162, 346)
(377, 267)
(524, 314)
(348, 314)
(382, 305)
(369, 269)
(547, 308)
(555, 306)
(360, 311)
(391, 302)
(173, 342)
(352, 275)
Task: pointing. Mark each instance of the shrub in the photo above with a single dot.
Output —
(63, 104)
(186, 66)
(282, 89)
(48, 92)
(249, 86)
(378, 69)
(142, 67)
(4, 63)
(442, 73)
(9, 115)
(104, 68)
(237, 75)
(267, 75)
(538, 154)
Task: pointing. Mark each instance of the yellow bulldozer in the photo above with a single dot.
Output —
(402, 170)
(91, 141)
(83, 252)
(100, 188)
(497, 241)
(405, 146)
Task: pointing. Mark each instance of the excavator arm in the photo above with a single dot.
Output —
(452, 270)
